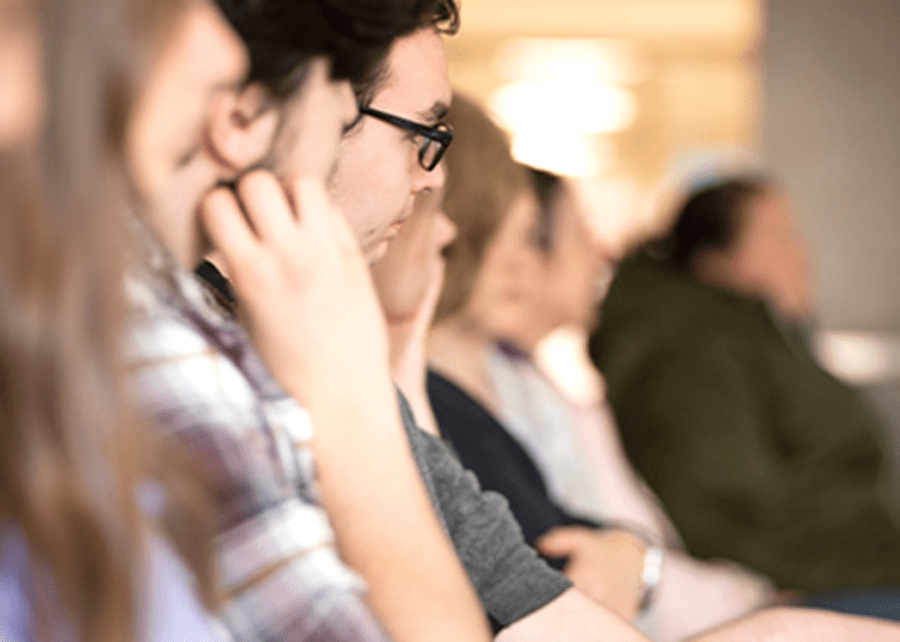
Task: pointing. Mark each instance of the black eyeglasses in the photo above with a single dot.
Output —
(435, 141)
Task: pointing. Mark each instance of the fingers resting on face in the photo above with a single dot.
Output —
(413, 261)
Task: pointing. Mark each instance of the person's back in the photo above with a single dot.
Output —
(757, 454)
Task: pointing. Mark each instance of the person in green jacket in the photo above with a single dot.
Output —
(758, 455)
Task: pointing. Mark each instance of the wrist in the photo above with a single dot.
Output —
(651, 570)
(654, 556)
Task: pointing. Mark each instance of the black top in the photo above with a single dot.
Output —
(218, 284)
(501, 464)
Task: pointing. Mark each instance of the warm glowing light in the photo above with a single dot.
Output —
(564, 106)
(563, 96)
(566, 153)
(573, 59)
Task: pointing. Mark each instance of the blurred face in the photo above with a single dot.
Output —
(200, 59)
(414, 258)
(378, 176)
(508, 282)
(574, 269)
(20, 71)
(769, 257)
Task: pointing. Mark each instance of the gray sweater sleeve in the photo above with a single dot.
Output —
(510, 578)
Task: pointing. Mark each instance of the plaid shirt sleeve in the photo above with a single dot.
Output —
(277, 559)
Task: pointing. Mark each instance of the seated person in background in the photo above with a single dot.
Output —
(532, 269)
(576, 446)
(484, 180)
(757, 454)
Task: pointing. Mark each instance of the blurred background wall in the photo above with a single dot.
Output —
(831, 131)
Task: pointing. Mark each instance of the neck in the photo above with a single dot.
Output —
(528, 337)
(457, 348)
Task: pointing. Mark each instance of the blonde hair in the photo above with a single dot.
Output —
(72, 454)
(483, 180)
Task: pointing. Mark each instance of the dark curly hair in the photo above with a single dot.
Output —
(282, 35)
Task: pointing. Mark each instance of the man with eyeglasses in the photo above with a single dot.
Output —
(393, 151)
(388, 156)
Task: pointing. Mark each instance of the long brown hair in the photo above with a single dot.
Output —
(483, 180)
(72, 455)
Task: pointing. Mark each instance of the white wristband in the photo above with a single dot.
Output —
(651, 575)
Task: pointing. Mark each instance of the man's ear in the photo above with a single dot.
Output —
(242, 126)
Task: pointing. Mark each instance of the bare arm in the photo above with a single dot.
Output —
(803, 625)
(694, 596)
(572, 617)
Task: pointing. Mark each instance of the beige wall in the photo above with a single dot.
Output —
(831, 123)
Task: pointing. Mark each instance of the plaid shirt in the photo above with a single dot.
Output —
(196, 375)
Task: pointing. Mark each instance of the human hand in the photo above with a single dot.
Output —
(606, 565)
(304, 287)
(409, 280)
(403, 275)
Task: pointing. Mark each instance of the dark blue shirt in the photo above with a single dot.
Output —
(501, 464)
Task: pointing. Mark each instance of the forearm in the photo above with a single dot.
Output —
(574, 618)
(409, 370)
(693, 596)
(384, 520)
(802, 625)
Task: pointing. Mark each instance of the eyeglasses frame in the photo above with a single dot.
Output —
(440, 133)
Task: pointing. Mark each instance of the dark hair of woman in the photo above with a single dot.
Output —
(709, 219)
(72, 455)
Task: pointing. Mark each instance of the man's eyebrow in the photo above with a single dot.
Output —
(436, 113)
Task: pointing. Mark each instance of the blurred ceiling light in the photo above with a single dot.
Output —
(568, 154)
(564, 106)
(583, 60)
(562, 94)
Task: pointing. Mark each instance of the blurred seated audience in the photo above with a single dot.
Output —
(757, 454)
(576, 446)
(530, 268)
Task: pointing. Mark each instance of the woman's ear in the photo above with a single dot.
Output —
(241, 127)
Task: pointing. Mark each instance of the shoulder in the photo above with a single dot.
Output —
(175, 368)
